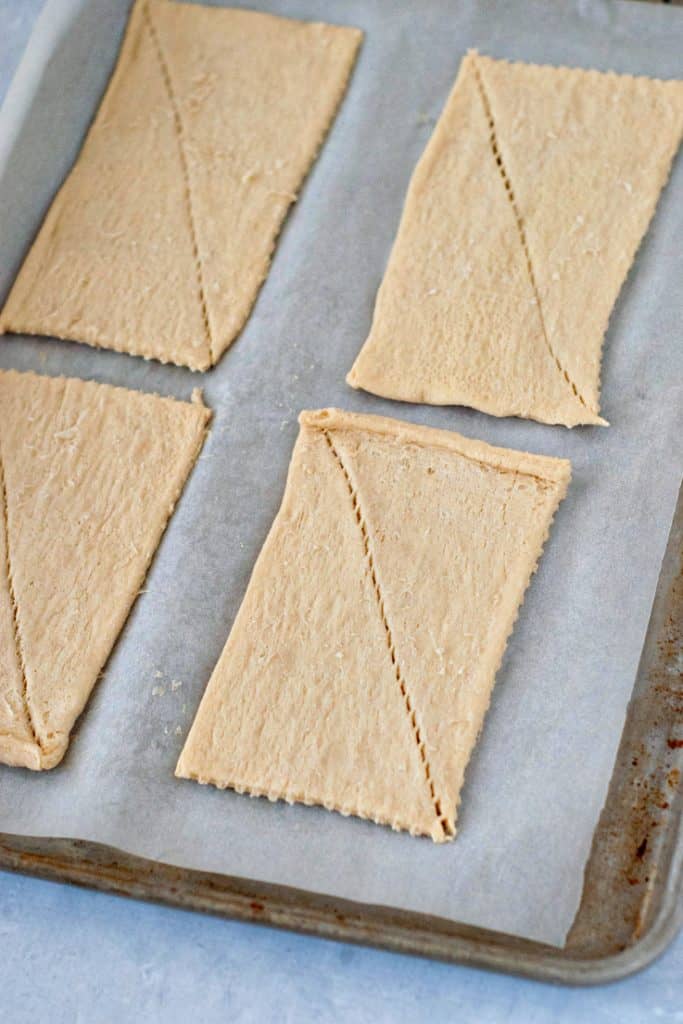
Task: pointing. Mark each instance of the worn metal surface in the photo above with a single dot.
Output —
(638, 837)
(631, 905)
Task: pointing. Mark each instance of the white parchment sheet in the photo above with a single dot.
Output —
(538, 778)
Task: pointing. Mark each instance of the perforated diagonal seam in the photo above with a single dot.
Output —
(505, 177)
(180, 135)
(18, 643)
(446, 826)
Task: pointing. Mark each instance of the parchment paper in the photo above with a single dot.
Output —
(538, 778)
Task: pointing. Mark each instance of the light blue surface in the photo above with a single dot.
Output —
(68, 955)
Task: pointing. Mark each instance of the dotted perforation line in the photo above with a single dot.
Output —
(412, 716)
(180, 134)
(18, 644)
(495, 149)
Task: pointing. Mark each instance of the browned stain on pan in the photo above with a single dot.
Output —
(631, 846)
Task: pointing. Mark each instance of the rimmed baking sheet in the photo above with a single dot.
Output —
(539, 777)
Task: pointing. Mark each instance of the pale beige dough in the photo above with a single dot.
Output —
(89, 475)
(521, 221)
(159, 239)
(361, 663)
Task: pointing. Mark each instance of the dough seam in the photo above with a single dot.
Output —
(180, 135)
(495, 152)
(18, 643)
(446, 826)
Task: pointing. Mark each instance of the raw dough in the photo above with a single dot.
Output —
(89, 475)
(162, 234)
(361, 663)
(521, 221)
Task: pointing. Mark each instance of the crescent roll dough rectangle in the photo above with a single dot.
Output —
(162, 234)
(362, 661)
(520, 224)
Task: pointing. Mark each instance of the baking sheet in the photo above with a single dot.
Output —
(538, 778)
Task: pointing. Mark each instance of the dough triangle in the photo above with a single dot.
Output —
(91, 474)
(361, 662)
(587, 154)
(452, 575)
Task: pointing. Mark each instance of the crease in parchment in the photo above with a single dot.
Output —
(509, 191)
(18, 643)
(446, 826)
(180, 135)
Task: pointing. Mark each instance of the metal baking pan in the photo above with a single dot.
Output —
(632, 902)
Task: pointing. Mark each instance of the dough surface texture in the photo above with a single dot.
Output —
(160, 237)
(89, 476)
(360, 666)
(521, 221)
